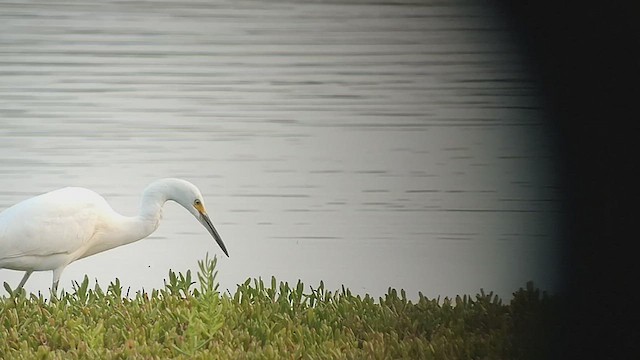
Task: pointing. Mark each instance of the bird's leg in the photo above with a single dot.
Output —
(56, 279)
(24, 279)
(54, 287)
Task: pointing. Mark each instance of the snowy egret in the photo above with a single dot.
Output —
(52, 230)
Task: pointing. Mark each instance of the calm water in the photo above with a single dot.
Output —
(368, 145)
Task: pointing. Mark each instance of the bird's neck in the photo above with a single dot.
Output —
(148, 218)
(151, 211)
(127, 229)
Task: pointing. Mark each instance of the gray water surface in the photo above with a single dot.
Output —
(361, 143)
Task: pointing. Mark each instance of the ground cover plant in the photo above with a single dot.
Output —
(271, 320)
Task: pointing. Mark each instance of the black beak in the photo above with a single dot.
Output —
(204, 219)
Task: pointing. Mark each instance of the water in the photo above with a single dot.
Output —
(367, 144)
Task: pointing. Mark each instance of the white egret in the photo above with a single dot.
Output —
(52, 230)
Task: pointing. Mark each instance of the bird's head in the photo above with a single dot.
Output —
(189, 196)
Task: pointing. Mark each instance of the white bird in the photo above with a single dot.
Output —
(52, 230)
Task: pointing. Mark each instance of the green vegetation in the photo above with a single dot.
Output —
(271, 321)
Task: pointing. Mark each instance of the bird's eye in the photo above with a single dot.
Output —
(197, 202)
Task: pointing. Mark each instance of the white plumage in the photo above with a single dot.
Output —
(50, 231)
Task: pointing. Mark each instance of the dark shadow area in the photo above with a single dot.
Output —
(586, 59)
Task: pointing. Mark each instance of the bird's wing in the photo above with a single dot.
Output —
(57, 222)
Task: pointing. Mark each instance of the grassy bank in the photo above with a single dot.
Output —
(271, 320)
